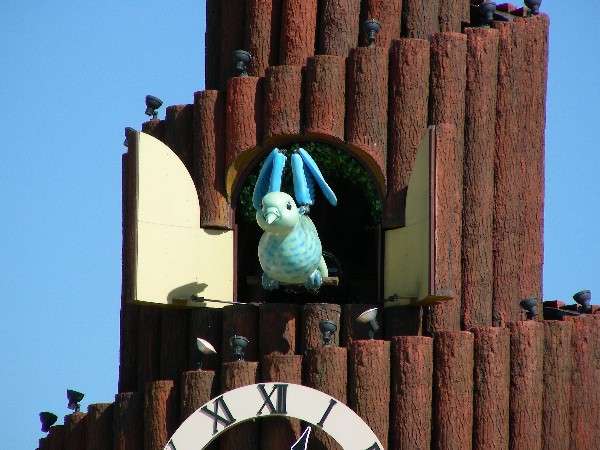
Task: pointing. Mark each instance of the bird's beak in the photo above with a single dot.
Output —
(271, 215)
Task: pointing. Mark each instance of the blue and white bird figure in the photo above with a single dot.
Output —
(289, 250)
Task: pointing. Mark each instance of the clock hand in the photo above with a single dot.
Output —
(302, 443)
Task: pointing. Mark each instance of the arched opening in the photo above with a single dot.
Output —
(350, 232)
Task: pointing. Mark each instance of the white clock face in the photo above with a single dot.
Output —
(275, 399)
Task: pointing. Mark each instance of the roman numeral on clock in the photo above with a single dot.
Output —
(332, 403)
(280, 405)
(225, 420)
(374, 447)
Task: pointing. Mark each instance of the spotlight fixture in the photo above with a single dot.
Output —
(74, 398)
(530, 307)
(371, 27)
(205, 348)
(534, 6)
(152, 104)
(487, 9)
(328, 329)
(370, 317)
(241, 59)
(128, 130)
(238, 346)
(47, 419)
(584, 299)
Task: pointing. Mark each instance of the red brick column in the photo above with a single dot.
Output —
(262, 34)
(197, 388)
(155, 128)
(420, 18)
(452, 390)
(411, 370)
(453, 13)
(409, 96)
(231, 37)
(75, 431)
(178, 132)
(368, 385)
(56, 437)
(478, 182)
(283, 99)
(277, 328)
(389, 15)
(491, 387)
(526, 387)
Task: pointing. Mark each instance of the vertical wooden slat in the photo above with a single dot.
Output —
(389, 15)
(338, 26)
(453, 13)
(367, 102)
(212, 41)
(243, 116)
(128, 421)
(277, 328)
(197, 388)
(420, 18)
(178, 132)
(234, 375)
(75, 431)
(558, 362)
(56, 437)
(452, 390)
(205, 323)
(535, 74)
(209, 159)
(368, 384)
(263, 34)
(447, 106)
(280, 432)
(241, 320)
(325, 96)
(526, 388)
(478, 181)
(128, 347)
(148, 345)
(161, 412)
(99, 427)
(326, 370)
(283, 99)
(508, 176)
(582, 433)
(491, 388)
(408, 101)
(298, 31)
(231, 36)
(312, 315)
(173, 340)
(412, 371)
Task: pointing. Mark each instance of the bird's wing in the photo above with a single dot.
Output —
(301, 189)
(277, 173)
(313, 170)
(261, 188)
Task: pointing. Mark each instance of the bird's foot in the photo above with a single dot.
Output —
(268, 283)
(314, 281)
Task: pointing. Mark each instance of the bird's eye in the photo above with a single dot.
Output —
(289, 206)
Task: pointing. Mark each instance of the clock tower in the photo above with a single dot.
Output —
(427, 117)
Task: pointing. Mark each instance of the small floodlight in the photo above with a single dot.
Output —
(328, 329)
(370, 317)
(74, 398)
(205, 348)
(241, 59)
(47, 419)
(238, 346)
(534, 6)
(487, 9)
(584, 299)
(371, 27)
(530, 307)
(152, 104)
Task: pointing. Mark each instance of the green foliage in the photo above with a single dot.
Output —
(338, 167)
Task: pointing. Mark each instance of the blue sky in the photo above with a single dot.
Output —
(74, 74)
